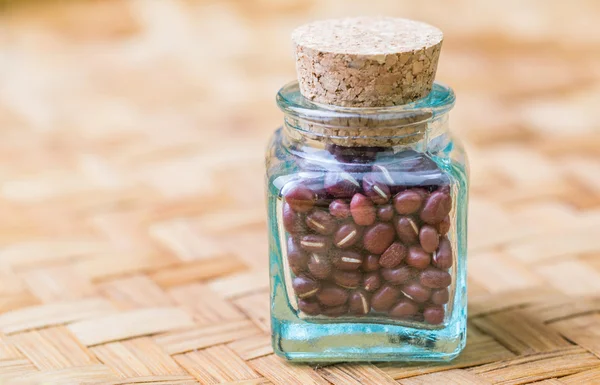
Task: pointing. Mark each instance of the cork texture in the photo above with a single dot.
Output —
(366, 61)
(367, 131)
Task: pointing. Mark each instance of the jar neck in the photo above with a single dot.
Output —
(420, 126)
(432, 136)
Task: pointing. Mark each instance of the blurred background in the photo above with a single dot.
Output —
(137, 128)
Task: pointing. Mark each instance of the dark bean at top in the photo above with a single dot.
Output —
(341, 184)
(375, 189)
(300, 198)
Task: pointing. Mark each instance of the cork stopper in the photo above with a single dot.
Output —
(366, 61)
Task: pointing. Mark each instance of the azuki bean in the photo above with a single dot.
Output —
(416, 292)
(407, 202)
(417, 257)
(378, 237)
(429, 238)
(341, 184)
(309, 307)
(392, 178)
(332, 295)
(335, 311)
(371, 263)
(433, 315)
(375, 189)
(393, 255)
(435, 278)
(347, 260)
(436, 207)
(305, 287)
(385, 297)
(359, 303)
(315, 243)
(444, 226)
(339, 209)
(347, 279)
(362, 210)
(346, 236)
(440, 296)
(321, 221)
(404, 308)
(297, 258)
(293, 222)
(407, 230)
(399, 275)
(300, 198)
(442, 258)
(385, 213)
(319, 266)
(372, 281)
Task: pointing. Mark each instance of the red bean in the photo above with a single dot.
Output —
(347, 235)
(416, 292)
(305, 287)
(399, 275)
(339, 209)
(417, 257)
(384, 298)
(375, 189)
(442, 258)
(371, 263)
(341, 184)
(309, 307)
(347, 279)
(347, 260)
(315, 243)
(407, 202)
(407, 230)
(300, 198)
(319, 266)
(440, 296)
(434, 314)
(444, 226)
(332, 295)
(378, 237)
(404, 308)
(321, 222)
(435, 278)
(362, 210)
(436, 207)
(429, 238)
(393, 255)
(385, 213)
(359, 303)
(293, 222)
(372, 281)
(297, 258)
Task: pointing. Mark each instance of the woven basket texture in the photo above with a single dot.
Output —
(132, 224)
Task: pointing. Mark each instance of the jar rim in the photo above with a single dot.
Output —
(438, 102)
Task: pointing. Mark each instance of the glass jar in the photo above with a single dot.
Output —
(367, 231)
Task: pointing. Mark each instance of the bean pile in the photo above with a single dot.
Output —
(362, 244)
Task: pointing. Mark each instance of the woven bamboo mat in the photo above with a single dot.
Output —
(132, 228)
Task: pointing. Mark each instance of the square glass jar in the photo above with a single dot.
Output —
(367, 231)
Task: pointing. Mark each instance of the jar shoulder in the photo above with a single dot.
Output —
(413, 166)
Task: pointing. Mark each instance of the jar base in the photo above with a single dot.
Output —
(302, 341)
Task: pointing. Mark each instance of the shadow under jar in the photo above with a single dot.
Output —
(367, 227)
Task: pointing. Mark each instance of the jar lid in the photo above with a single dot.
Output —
(366, 61)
